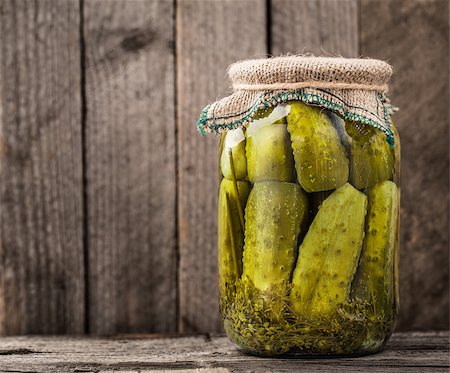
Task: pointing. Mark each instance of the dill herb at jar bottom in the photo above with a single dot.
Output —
(265, 323)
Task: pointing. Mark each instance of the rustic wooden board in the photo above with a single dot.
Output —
(130, 159)
(406, 352)
(321, 27)
(41, 244)
(413, 36)
(210, 35)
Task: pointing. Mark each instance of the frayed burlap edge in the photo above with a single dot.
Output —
(210, 122)
(356, 89)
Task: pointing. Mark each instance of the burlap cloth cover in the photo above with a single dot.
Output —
(356, 89)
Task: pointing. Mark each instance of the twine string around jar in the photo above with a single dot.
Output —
(312, 84)
(355, 89)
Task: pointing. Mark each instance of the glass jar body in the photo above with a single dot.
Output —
(308, 225)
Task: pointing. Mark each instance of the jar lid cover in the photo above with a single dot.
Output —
(354, 88)
(308, 71)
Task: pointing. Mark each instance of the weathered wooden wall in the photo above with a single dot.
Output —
(42, 287)
(130, 165)
(108, 194)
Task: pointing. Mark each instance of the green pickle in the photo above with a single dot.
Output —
(275, 214)
(308, 233)
(396, 152)
(320, 157)
(234, 144)
(269, 155)
(230, 232)
(371, 158)
(374, 281)
(329, 254)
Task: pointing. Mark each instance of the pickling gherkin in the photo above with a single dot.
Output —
(329, 254)
(269, 155)
(275, 213)
(320, 157)
(371, 159)
(230, 232)
(374, 280)
(396, 152)
(234, 145)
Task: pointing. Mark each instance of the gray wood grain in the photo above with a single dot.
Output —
(131, 179)
(41, 248)
(413, 37)
(321, 27)
(405, 352)
(210, 35)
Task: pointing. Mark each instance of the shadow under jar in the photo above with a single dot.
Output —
(308, 226)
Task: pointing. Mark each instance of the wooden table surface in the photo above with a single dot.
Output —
(406, 352)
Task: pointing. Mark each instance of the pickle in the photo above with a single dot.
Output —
(320, 157)
(234, 144)
(230, 232)
(269, 155)
(374, 280)
(396, 259)
(329, 254)
(371, 158)
(275, 213)
(396, 178)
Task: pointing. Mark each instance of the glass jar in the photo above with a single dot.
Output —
(308, 226)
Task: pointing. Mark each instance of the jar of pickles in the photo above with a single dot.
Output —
(308, 216)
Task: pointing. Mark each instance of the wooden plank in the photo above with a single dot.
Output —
(41, 189)
(321, 27)
(210, 35)
(195, 370)
(405, 352)
(414, 37)
(131, 179)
